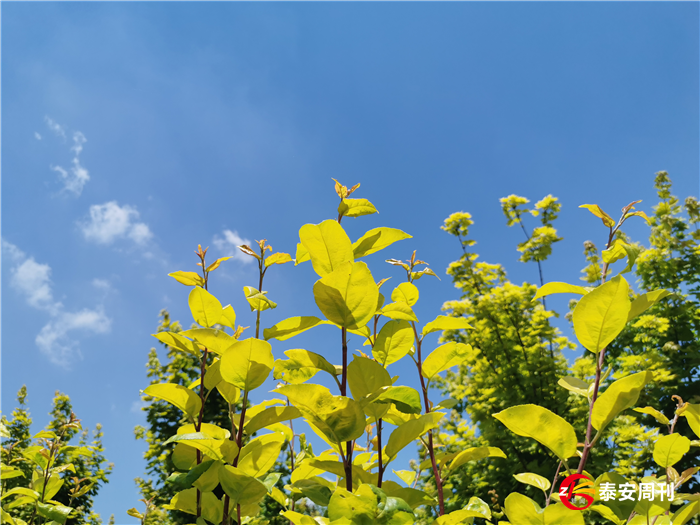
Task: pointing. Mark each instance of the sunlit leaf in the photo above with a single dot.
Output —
(258, 300)
(348, 295)
(670, 449)
(645, 301)
(291, 327)
(556, 287)
(247, 363)
(339, 418)
(399, 311)
(405, 293)
(188, 278)
(444, 357)
(538, 423)
(178, 395)
(206, 309)
(619, 396)
(443, 322)
(598, 212)
(377, 239)
(278, 258)
(602, 314)
(301, 366)
(653, 412)
(408, 432)
(393, 342)
(241, 488)
(328, 245)
(356, 208)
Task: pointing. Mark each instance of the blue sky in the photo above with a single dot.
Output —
(131, 132)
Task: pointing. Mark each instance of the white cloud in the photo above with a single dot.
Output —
(78, 141)
(53, 338)
(37, 136)
(76, 177)
(33, 281)
(55, 127)
(229, 243)
(109, 222)
(102, 284)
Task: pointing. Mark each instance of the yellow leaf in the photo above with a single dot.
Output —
(602, 314)
(328, 245)
(598, 212)
(188, 278)
(278, 258)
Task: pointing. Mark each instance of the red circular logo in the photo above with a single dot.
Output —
(576, 485)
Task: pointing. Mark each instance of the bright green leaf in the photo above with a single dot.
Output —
(302, 254)
(668, 450)
(247, 363)
(214, 340)
(692, 413)
(475, 454)
(356, 208)
(521, 510)
(598, 212)
(206, 309)
(366, 376)
(228, 317)
(538, 423)
(404, 398)
(602, 314)
(186, 501)
(530, 478)
(377, 239)
(645, 301)
(339, 418)
(405, 293)
(619, 396)
(574, 384)
(291, 327)
(213, 266)
(188, 278)
(270, 416)
(328, 245)
(183, 398)
(443, 322)
(556, 287)
(393, 342)
(444, 357)
(260, 454)
(348, 295)
(175, 340)
(653, 412)
(278, 258)
(258, 300)
(408, 432)
(399, 311)
(301, 366)
(241, 488)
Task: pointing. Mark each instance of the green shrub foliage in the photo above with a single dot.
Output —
(532, 419)
(45, 478)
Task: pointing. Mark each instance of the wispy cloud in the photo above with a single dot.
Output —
(76, 177)
(228, 246)
(55, 127)
(53, 339)
(33, 280)
(37, 136)
(109, 222)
